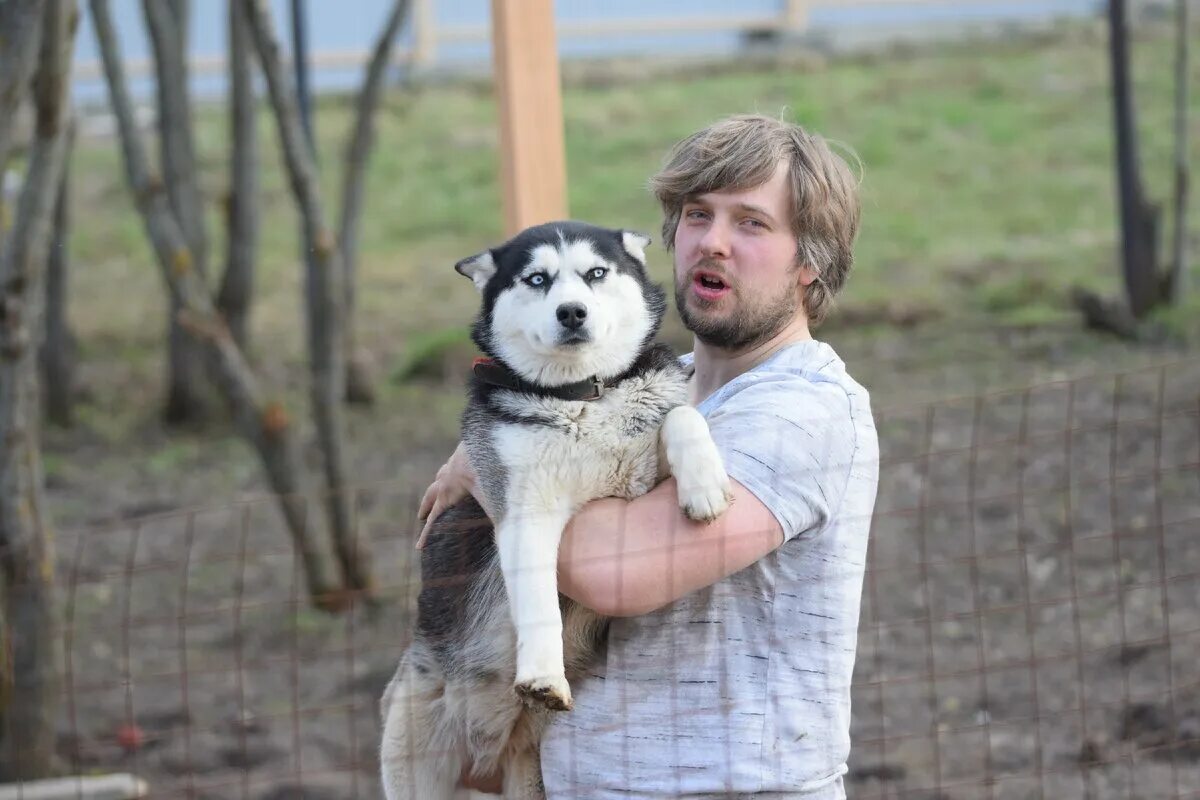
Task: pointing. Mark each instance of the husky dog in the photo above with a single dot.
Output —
(575, 402)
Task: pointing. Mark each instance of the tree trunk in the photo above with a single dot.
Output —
(1177, 281)
(265, 424)
(59, 348)
(167, 25)
(323, 293)
(1139, 220)
(237, 284)
(359, 387)
(31, 661)
(21, 22)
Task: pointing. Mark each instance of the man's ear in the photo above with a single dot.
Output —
(479, 268)
(808, 275)
(635, 244)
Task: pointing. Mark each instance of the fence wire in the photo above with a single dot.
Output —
(1030, 622)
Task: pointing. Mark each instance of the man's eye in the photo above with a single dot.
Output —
(536, 279)
(597, 273)
(695, 214)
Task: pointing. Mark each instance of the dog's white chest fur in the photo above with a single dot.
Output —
(578, 451)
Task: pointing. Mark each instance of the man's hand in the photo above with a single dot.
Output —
(454, 481)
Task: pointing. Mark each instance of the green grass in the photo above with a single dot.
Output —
(425, 352)
(987, 189)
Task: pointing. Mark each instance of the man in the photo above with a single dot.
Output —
(728, 666)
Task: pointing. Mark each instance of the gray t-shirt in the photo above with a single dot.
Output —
(743, 688)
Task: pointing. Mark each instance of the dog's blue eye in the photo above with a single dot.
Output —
(597, 273)
(536, 279)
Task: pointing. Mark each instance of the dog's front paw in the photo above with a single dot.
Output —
(703, 487)
(704, 496)
(549, 692)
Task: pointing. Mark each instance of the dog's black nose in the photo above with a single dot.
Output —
(572, 315)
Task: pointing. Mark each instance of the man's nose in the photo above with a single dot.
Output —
(715, 242)
(572, 315)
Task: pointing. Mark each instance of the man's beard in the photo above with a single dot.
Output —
(746, 327)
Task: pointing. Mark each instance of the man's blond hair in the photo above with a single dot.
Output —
(742, 152)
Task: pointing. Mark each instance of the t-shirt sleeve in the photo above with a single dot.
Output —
(790, 441)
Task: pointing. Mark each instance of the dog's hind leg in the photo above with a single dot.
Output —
(522, 765)
(527, 540)
(523, 777)
(418, 759)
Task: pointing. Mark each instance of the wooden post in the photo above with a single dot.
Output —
(795, 15)
(532, 153)
(424, 46)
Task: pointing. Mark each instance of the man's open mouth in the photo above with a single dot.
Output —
(708, 285)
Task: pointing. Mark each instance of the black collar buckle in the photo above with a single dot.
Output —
(597, 387)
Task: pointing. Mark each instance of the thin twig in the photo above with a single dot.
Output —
(58, 348)
(323, 290)
(166, 25)
(21, 22)
(358, 151)
(237, 284)
(265, 424)
(1178, 278)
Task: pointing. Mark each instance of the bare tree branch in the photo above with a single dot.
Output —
(166, 25)
(21, 28)
(1139, 219)
(181, 9)
(237, 284)
(264, 423)
(358, 382)
(59, 348)
(1177, 278)
(323, 290)
(26, 551)
(300, 72)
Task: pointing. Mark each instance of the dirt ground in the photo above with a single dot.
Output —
(1033, 551)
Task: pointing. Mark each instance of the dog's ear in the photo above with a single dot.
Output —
(479, 268)
(635, 244)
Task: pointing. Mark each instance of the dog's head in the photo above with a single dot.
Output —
(565, 301)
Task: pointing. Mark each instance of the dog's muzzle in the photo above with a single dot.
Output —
(572, 317)
(575, 337)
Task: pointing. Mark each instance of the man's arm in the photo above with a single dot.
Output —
(628, 557)
(623, 558)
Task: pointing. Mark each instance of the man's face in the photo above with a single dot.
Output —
(737, 283)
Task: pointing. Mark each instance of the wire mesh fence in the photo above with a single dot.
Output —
(1030, 620)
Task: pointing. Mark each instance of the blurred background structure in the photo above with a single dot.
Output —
(233, 351)
(453, 39)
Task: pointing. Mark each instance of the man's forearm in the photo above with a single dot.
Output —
(629, 557)
(598, 565)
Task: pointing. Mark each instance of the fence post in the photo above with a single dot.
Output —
(424, 46)
(795, 15)
(532, 153)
